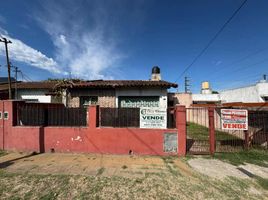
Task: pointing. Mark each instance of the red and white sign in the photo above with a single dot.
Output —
(234, 119)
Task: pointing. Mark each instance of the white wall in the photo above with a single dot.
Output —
(248, 94)
(35, 94)
(206, 97)
(263, 89)
(161, 92)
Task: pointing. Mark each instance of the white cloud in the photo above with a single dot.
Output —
(21, 52)
(83, 44)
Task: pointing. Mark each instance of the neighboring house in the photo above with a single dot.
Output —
(206, 98)
(249, 94)
(256, 93)
(32, 91)
(4, 80)
(106, 93)
(180, 98)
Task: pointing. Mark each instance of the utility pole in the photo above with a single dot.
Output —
(4, 40)
(16, 77)
(186, 85)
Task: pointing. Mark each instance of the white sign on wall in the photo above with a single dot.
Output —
(234, 119)
(153, 118)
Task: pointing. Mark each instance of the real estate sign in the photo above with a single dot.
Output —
(153, 118)
(234, 119)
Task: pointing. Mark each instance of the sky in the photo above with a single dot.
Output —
(124, 39)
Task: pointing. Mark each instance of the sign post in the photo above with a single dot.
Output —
(234, 119)
(153, 118)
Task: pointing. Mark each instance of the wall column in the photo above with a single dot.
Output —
(211, 130)
(180, 117)
(93, 116)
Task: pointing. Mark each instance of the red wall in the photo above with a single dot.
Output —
(23, 139)
(90, 139)
(105, 140)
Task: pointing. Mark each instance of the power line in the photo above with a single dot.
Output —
(224, 67)
(242, 68)
(212, 40)
(6, 41)
(25, 77)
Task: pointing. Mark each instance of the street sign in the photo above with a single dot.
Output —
(234, 119)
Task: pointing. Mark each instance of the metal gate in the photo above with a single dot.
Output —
(202, 121)
(228, 140)
(197, 120)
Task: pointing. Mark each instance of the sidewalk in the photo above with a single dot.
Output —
(86, 164)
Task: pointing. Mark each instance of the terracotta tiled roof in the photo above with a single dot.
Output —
(29, 85)
(90, 84)
(124, 83)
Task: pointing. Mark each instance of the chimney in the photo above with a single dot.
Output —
(156, 76)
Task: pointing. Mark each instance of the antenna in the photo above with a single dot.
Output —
(186, 85)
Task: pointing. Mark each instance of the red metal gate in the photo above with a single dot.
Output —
(197, 131)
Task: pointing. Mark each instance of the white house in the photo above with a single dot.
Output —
(249, 94)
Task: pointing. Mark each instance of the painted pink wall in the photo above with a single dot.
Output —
(23, 139)
(105, 140)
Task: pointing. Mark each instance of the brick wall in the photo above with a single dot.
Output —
(106, 97)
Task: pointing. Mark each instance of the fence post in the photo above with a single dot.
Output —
(211, 130)
(93, 116)
(246, 139)
(180, 112)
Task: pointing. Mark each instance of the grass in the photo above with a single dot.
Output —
(255, 156)
(199, 132)
(252, 156)
(2, 153)
(100, 171)
(152, 186)
(168, 183)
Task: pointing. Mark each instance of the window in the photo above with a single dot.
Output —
(6, 115)
(137, 102)
(88, 100)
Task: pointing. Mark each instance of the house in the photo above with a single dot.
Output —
(4, 81)
(206, 96)
(255, 93)
(106, 93)
(32, 91)
(119, 93)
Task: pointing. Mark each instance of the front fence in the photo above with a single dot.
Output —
(120, 117)
(258, 128)
(197, 126)
(41, 115)
(128, 117)
(227, 140)
(31, 115)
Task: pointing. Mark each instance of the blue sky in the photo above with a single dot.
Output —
(123, 39)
